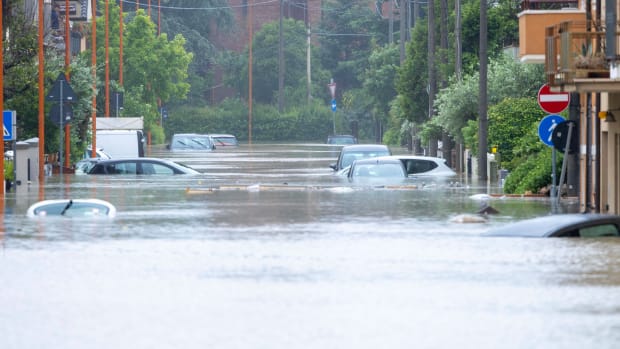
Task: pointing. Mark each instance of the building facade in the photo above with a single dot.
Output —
(578, 43)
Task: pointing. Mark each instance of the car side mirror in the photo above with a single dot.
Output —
(333, 166)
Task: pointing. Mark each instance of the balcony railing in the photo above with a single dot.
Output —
(548, 4)
(575, 50)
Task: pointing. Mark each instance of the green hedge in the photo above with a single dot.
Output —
(304, 123)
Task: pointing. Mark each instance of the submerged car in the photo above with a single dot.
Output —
(350, 153)
(85, 165)
(140, 166)
(224, 140)
(72, 208)
(191, 142)
(99, 154)
(341, 139)
(562, 225)
(422, 166)
(377, 170)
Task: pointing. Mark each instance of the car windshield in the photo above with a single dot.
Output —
(72, 208)
(379, 170)
(225, 140)
(341, 140)
(191, 142)
(349, 157)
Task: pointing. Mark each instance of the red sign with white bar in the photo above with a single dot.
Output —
(552, 102)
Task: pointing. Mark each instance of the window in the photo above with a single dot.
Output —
(599, 231)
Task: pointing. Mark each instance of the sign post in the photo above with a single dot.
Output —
(61, 92)
(552, 103)
(545, 132)
(332, 90)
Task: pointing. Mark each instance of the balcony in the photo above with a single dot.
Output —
(535, 16)
(575, 58)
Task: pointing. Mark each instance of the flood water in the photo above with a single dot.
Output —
(267, 249)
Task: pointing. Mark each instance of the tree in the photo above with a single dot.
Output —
(195, 19)
(412, 79)
(458, 103)
(347, 32)
(379, 78)
(265, 64)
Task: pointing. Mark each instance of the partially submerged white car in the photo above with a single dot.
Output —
(425, 166)
(72, 208)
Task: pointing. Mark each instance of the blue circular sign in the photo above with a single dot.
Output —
(546, 127)
(333, 105)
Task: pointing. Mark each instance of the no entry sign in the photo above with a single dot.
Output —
(552, 102)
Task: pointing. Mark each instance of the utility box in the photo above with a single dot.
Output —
(27, 161)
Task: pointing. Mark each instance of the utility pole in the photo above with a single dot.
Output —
(391, 23)
(432, 75)
(482, 98)
(403, 30)
(93, 58)
(41, 98)
(281, 62)
(107, 59)
(250, 29)
(308, 63)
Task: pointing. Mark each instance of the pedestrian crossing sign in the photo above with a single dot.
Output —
(9, 123)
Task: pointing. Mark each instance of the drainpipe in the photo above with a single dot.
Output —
(610, 37)
(588, 162)
(572, 175)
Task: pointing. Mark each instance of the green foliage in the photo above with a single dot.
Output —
(513, 129)
(356, 109)
(412, 80)
(458, 103)
(9, 170)
(348, 31)
(154, 62)
(510, 121)
(532, 175)
(303, 123)
(379, 79)
(503, 30)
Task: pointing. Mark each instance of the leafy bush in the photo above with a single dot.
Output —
(9, 174)
(532, 175)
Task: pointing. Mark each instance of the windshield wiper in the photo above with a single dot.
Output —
(69, 204)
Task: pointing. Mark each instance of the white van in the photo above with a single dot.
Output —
(121, 143)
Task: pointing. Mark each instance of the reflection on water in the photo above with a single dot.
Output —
(267, 249)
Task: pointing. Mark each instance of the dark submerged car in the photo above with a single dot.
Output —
(140, 166)
(562, 225)
(341, 139)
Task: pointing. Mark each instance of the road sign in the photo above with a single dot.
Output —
(552, 102)
(8, 122)
(332, 88)
(67, 111)
(546, 127)
(61, 91)
(334, 105)
(559, 136)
